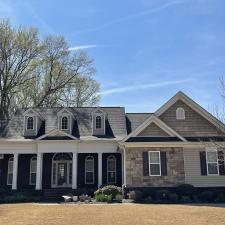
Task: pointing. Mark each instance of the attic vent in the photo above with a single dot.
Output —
(180, 114)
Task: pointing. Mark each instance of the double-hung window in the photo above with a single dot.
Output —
(30, 123)
(33, 170)
(89, 170)
(212, 162)
(10, 171)
(154, 163)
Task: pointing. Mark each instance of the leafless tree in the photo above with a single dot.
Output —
(39, 73)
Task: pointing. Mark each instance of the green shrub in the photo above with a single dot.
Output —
(23, 196)
(111, 190)
(196, 199)
(220, 198)
(185, 199)
(103, 198)
(173, 197)
(109, 198)
(148, 192)
(136, 195)
(206, 196)
(99, 197)
(186, 190)
(162, 195)
(148, 199)
(119, 198)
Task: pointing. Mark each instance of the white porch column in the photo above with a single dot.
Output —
(74, 173)
(15, 171)
(39, 171)
(99, 169)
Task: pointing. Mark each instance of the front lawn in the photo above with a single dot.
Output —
(135, 214)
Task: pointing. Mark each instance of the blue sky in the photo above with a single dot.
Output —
(144, 50)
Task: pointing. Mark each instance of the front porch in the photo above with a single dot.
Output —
(70, 170)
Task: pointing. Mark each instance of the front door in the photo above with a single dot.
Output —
(62, 174)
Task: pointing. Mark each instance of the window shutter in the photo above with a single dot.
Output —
(163, 163)
(145, 164)
(221, 163)
(203, 163)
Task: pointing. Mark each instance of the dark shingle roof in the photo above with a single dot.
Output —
(133, 120)
(115, 122)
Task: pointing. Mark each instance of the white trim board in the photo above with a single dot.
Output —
(159, 123)
(55, 131)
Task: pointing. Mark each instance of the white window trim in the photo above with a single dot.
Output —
(93, 171)
(115, 171)
(67, 122)
(180, 116)
(9, 160)
(154, 163)
(212, 150)
(27, 123)
(32, 159)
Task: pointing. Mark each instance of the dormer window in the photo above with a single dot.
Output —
(180, 114)
(30, 123)
(98, 122)
(64, 123)
(65, 120)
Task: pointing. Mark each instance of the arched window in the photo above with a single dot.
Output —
(111, 169)
(98, 122)
(180, 114)
(64, 123)
(33, 170)
(89, 170)
(10, 171)
(30, 123)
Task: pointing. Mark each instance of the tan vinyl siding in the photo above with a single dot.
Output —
(153, 130)
(193, 171)
(193, 125)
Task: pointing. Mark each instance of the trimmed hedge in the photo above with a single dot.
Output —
(20, 196)
(184, 193)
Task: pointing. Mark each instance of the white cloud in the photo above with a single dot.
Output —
(144, 86)
(80, 47)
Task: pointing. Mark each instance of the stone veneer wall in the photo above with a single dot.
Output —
(134, 168)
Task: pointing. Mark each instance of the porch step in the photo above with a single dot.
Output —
(56, 194)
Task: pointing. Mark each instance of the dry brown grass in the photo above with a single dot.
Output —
(25, 214)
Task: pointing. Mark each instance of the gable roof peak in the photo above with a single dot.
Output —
(32, 111)
(98, 110)
(65, 111)
(154, 119)
(192, 104)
